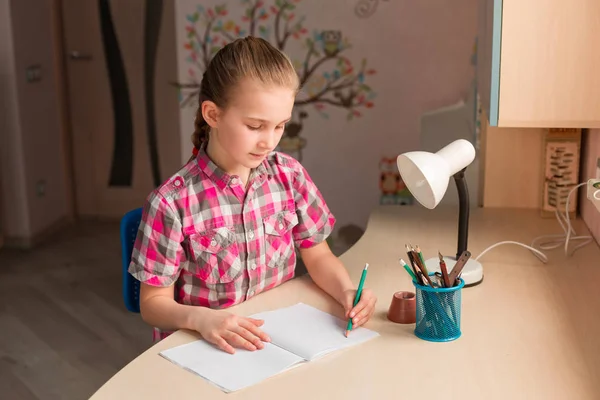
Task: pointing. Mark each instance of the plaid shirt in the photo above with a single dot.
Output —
(221, 244)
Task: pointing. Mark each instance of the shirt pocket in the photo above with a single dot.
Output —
(279, 243)
(216, 255)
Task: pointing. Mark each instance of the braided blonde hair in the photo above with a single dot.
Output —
(249, 57)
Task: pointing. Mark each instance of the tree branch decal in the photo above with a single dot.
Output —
(328, 78)
(283, 11)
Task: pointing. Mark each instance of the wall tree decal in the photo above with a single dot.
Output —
(366, 8)
(328, 78)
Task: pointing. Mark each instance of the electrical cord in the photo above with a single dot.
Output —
(548, 242)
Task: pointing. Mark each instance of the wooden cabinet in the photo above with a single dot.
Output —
(510, 166)
(539, 63)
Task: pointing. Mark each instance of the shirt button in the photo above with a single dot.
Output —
(251, 293)
(280, 225)
(251, 234)
(177, 182)
(213, 243)
(234, 181)
(253, 266)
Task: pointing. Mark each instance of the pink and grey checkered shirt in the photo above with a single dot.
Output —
(221, 244)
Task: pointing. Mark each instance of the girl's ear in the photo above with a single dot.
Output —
(210, 113)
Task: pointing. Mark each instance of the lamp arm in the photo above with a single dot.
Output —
(463, 211)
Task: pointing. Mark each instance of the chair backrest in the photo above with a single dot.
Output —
(131, 286)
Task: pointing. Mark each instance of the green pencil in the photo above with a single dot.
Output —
(407, 268)
(357, 297)
(422, 259)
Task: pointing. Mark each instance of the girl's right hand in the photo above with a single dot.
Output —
(226, 331)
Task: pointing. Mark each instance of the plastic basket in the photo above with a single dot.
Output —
(438, 312)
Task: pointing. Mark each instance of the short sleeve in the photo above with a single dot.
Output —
(315, 220)
(157, 251)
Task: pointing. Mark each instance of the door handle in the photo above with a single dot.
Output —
(75, 55)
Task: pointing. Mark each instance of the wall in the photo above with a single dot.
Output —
(11, 156)
(421, 52)
(447, 124)
(30, 125)
(589, 213)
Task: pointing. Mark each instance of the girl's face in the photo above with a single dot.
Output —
(250, 127)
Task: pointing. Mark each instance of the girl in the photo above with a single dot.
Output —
(224, 228)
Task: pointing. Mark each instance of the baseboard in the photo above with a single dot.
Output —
(29, 242)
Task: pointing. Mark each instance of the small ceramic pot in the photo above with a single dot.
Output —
(403, 308)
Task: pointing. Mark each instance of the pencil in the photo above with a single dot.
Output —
(444, 271)
(357, 297)
(422, 260)
(417, 260)
(412, 263)
(407, 268)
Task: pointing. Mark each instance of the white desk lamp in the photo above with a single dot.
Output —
(426, 175)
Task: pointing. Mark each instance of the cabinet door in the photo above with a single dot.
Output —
(543, 57)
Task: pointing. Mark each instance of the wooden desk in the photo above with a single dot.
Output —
(529, 330)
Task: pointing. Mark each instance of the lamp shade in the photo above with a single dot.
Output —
(426, 174)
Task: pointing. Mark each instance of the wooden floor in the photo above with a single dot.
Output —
(64, 329)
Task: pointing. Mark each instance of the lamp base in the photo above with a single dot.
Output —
(472, 272)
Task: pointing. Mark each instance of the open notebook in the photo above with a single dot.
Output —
(298, 333)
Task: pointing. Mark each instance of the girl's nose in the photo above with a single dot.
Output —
(268, 140)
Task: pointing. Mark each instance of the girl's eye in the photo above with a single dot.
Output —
(253, 128)
(281, 127)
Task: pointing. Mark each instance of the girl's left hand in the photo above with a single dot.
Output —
(365, 308)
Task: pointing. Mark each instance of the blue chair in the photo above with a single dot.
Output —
(131, 286)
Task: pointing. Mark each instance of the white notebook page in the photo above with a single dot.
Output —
(298, 333)
(310, 333)
(231, 372)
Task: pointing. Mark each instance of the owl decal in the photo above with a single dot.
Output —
(332, 42)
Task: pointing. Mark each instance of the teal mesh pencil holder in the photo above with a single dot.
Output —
(438, 312)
